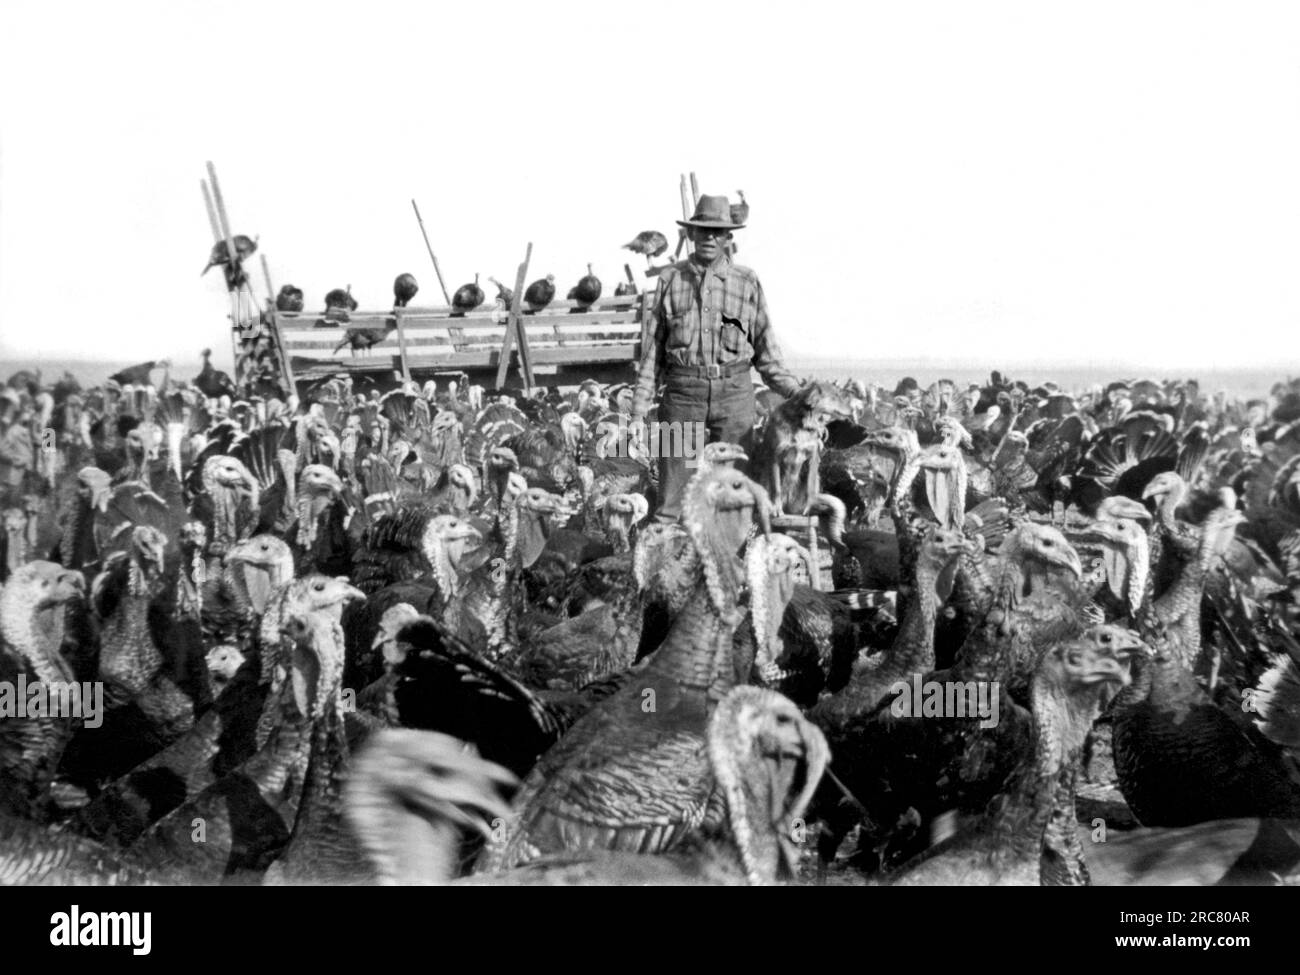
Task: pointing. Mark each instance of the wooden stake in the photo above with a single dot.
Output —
(266, 273)
(514, 328)
(212, 213)
(224, 220)
(436, 270)
(521, 333)
(695, 191)
(400, 313)
(286, 367)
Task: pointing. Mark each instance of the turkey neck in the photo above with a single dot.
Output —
(697, 651)
(288, 464)
(128, 654)
(189, 584)
(913, 650)
(310, 507)
(1179, 607)
(322, 849)
(974, 585)
(77, 546)
(907, 534)
(1060, 725)
(500, 619)
(987, 654)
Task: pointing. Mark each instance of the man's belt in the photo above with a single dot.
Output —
(714, 371)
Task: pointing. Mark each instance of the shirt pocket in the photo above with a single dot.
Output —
(735, 336)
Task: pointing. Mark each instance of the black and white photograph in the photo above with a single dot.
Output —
(605, 444)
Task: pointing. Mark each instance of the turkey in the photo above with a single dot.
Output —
(627, 777)
(586, 292)
(467, 298)
(31, 627)
(1018, 841)
(290, 299)
(540, 293)
(211, 382)
(405, 288)
(651, 243)
(413, 794)
(245, 247)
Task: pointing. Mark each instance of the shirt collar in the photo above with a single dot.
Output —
(719, 265)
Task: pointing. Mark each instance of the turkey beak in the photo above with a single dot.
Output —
(73, 584)
(333, 482)
(385, 636)
(1130, 646)
(1110, 671)
(1152, 491)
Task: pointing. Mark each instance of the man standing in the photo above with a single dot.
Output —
(709, 326)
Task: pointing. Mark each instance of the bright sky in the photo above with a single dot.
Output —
(1110, 180)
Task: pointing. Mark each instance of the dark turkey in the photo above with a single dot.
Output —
(740, 211)
(244, 247)
(339, 305)
(138, 375)
(540, 293)
(213, 383)
(468, 297)
(504, 295)
(587, 291)
(651, 243)
(341, 298)
(289, 299)
(404, 289)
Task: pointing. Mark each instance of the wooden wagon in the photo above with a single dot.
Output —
(560, 345)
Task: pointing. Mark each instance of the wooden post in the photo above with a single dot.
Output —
(212, 213)
(647, 335)
(436, 270)
(221, 216)
(270, 288)
(507, 345)
(400, 313)
(695, 191)
(515, 326)
(285, 366)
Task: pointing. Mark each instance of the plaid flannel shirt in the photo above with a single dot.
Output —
(706, 316)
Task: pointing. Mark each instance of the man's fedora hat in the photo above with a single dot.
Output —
(712, 213)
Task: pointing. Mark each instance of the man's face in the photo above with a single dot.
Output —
(708, 243)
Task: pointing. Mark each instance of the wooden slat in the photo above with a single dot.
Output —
(622, 305)
(401, 342)
(480, 357)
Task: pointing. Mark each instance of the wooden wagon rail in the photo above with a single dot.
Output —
(608, 333)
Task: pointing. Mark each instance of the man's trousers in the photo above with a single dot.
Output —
(695, 411)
